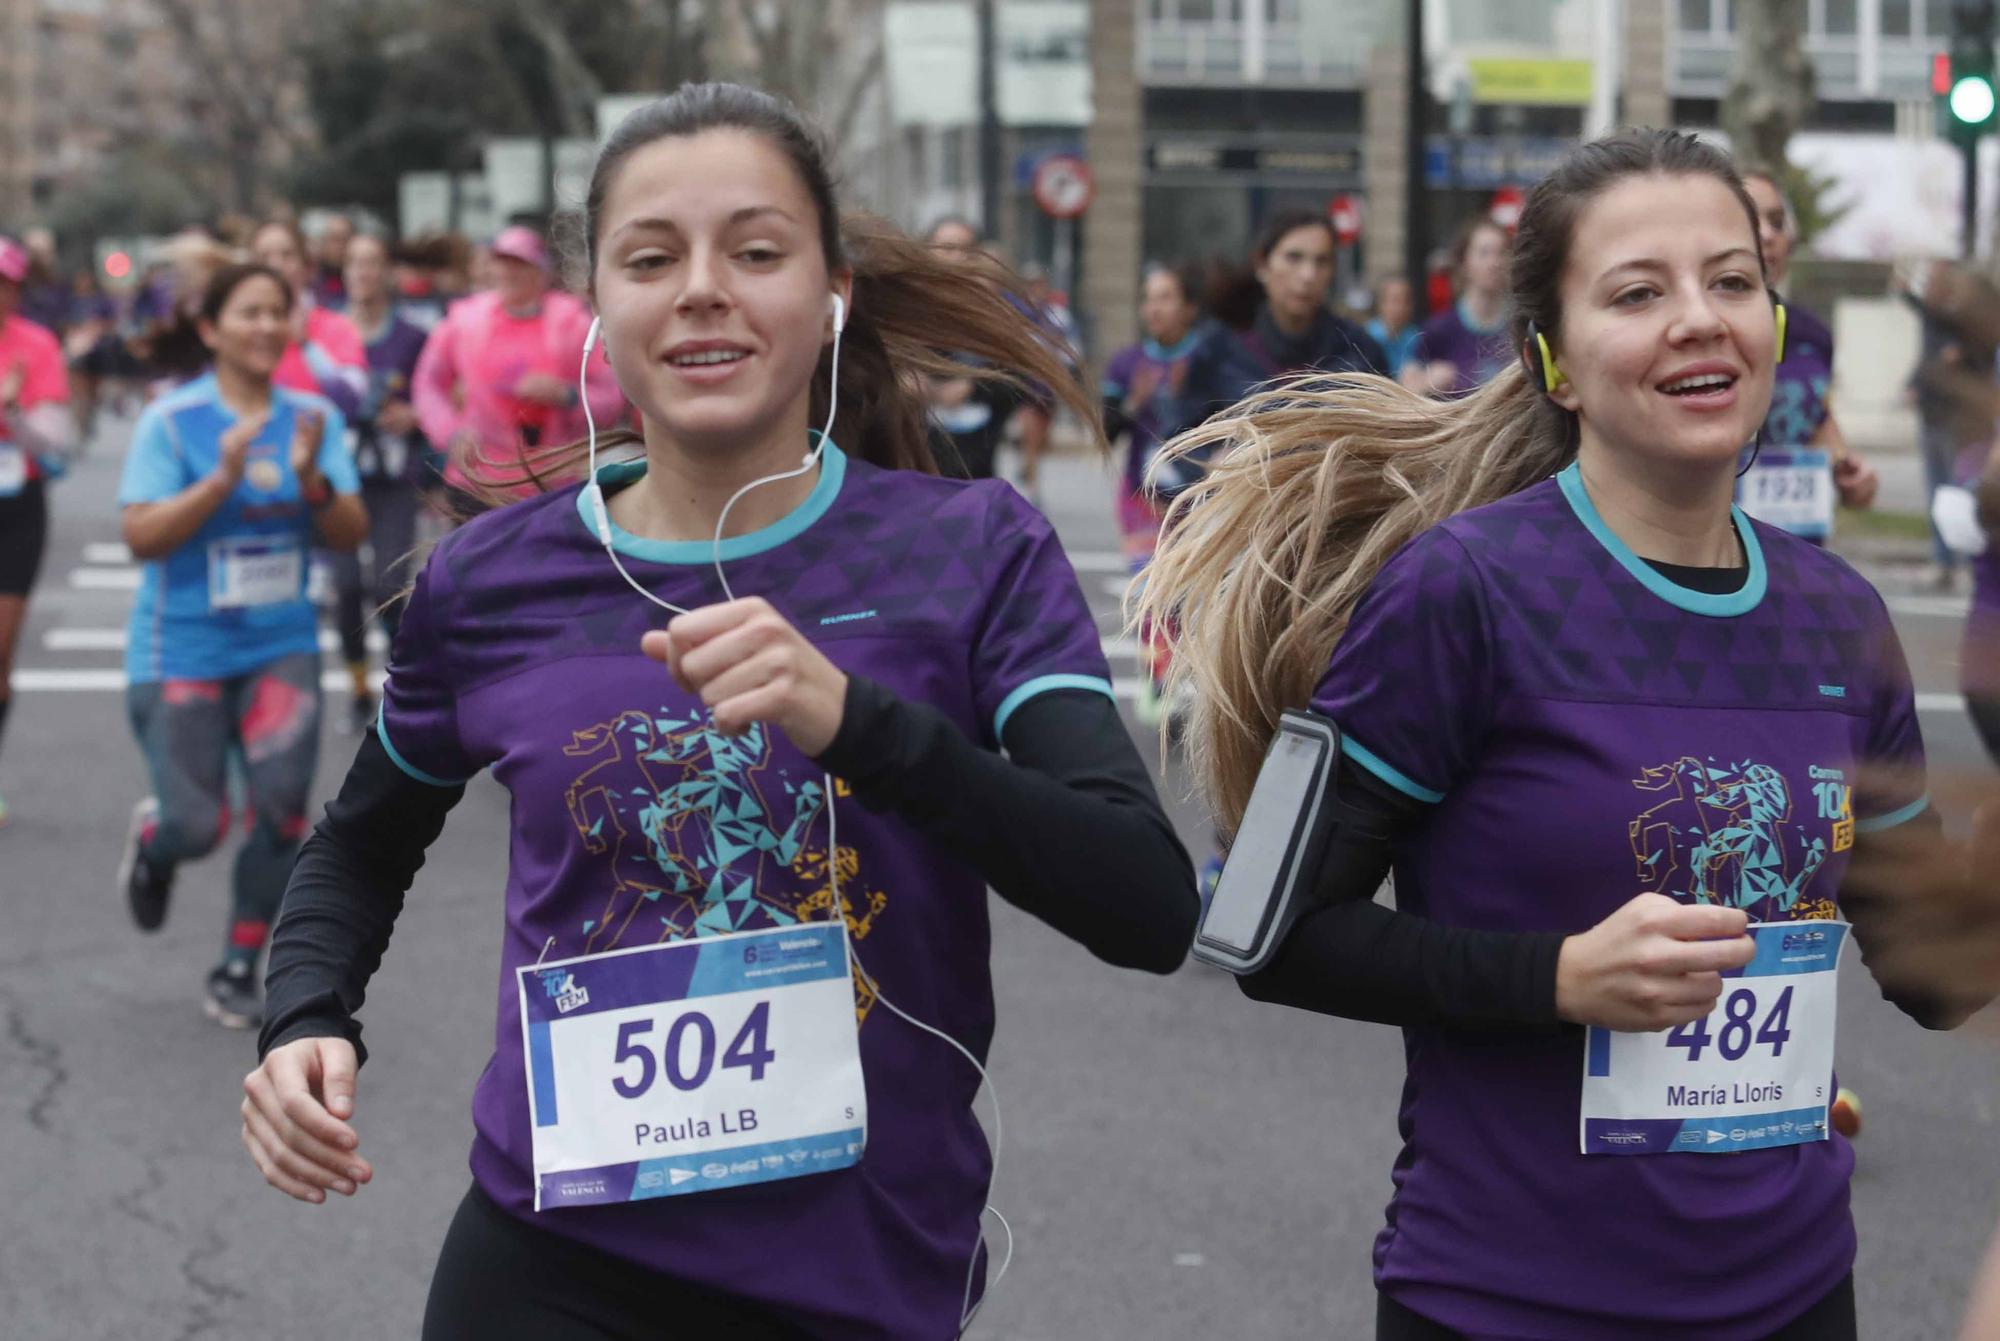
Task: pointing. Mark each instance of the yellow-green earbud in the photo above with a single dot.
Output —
(1552, 376)
(1780, 307)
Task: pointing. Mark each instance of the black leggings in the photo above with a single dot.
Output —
(501, 1279)
(1831, 1319)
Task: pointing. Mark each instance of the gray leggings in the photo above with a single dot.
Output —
(188, 730)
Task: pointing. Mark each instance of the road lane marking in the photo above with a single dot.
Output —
(106, 579)
(114, 640)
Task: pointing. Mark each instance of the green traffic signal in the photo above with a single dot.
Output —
(1972, 100)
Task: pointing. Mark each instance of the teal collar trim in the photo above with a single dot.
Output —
(1465, 319)
(1739, 602)
(832, 471)
(1168, 353)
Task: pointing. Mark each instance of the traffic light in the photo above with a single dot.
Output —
(1971, 99)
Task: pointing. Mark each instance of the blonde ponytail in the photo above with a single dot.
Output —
(1313, 485)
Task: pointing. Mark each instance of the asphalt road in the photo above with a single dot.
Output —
(1179, 1161)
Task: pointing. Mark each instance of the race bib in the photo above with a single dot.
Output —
(319, 579)
(259, 571)
(695, 1065)
(1756, 1072)
(1791, 490)
(13, 470)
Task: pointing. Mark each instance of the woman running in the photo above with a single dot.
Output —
(1142, 387)
(855, 630)
(392, 459)
(230, 479)
(325, 356)
(1466, 344)
(1276, 319)
(1597, 721)
(495, 381)
(1392, 325)
(969, 413)
(36, 433)
(1802, 465)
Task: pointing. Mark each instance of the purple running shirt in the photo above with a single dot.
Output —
(1587, 731)
(635, 823)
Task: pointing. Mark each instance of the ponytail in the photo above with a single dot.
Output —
(1314, 485)
(911, 309)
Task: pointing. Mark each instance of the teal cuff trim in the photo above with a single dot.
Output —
(1877, 823)
(1386, 771)
(382, 730)
(1042, 684)
(832, 470)
(1740, 602)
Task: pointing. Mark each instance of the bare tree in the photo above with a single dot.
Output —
(806, 52)
(1771, 88)
(254, 82)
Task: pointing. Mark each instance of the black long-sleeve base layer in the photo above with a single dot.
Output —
(1068, 828)
(1362, 960)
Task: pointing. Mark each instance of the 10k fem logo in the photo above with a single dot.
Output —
(561, 985)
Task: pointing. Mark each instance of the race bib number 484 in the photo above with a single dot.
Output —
(678, 1068)
(1757, 1071)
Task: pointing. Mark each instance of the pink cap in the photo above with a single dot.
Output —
(523, 244)
(13, 260)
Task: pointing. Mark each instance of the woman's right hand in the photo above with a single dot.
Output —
(294, 1109)
(1651, 965)
(235, 453)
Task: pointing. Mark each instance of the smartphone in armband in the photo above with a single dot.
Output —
(1268, 877)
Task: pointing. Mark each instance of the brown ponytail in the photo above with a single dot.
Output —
(911, 309)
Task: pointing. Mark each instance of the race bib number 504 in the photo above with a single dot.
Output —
(684, 1067)
(1757, 1071)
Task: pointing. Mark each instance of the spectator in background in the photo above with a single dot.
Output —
(1393, 324)
(1467, 341)
(329, 284)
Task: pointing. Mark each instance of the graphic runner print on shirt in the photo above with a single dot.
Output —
(703, 835)
(1725, 834)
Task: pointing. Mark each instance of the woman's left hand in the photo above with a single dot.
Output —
(748, 665)
(305, 448)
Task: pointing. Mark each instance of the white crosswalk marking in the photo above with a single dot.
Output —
(100, 552)
(1099, 561)
(113, 640)
(1939, 607)
(102, 681)
(105, 579)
